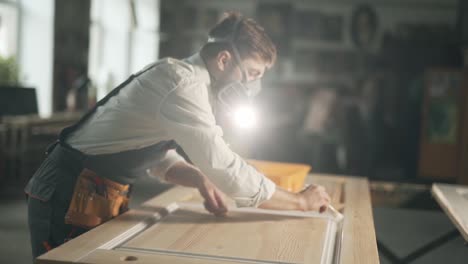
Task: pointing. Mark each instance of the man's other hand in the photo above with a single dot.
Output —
(314, 198)
(214, 199)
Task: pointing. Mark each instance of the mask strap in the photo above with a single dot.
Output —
(230, 39)
(239, 63)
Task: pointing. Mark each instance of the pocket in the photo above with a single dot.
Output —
(97, 205)
(84, 210)
(47, 172)
(44, 181)
(88, 208)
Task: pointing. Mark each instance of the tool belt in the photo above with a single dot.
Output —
(96, 200)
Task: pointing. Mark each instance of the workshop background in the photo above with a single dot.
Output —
(362, 88)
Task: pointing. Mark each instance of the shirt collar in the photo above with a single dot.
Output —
(200, 68)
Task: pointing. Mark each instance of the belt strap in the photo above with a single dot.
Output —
(123, 189)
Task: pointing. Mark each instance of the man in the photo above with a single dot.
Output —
(139, 125)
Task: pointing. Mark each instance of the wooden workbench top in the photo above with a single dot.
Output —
(173, 228)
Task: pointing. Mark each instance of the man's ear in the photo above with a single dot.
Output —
(223, 59)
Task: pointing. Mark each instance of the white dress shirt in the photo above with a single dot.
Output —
(173, 101)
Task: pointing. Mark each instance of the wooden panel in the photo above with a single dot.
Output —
(190, 230)
(454, 201)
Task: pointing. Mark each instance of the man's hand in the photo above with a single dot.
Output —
(314, 198)
(214, 200)
(185, 174)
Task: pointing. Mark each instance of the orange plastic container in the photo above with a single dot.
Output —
(289, 176)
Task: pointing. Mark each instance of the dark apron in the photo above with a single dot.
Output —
(51, 188)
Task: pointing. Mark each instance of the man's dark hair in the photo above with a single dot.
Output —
(249, 38)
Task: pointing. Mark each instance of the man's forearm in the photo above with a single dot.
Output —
(283, 200)
(185, 174)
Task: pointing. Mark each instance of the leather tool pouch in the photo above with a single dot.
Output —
(96, 200)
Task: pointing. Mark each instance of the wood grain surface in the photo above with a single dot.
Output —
(240, 235)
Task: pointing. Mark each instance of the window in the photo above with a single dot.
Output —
(8, 28)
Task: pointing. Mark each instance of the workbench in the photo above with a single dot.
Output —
(173, 227)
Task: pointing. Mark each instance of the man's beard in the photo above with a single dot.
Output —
(226, 78)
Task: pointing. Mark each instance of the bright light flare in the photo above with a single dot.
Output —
(245, 117)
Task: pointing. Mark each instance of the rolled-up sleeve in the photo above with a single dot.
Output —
(187, 116)
(160, 168)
